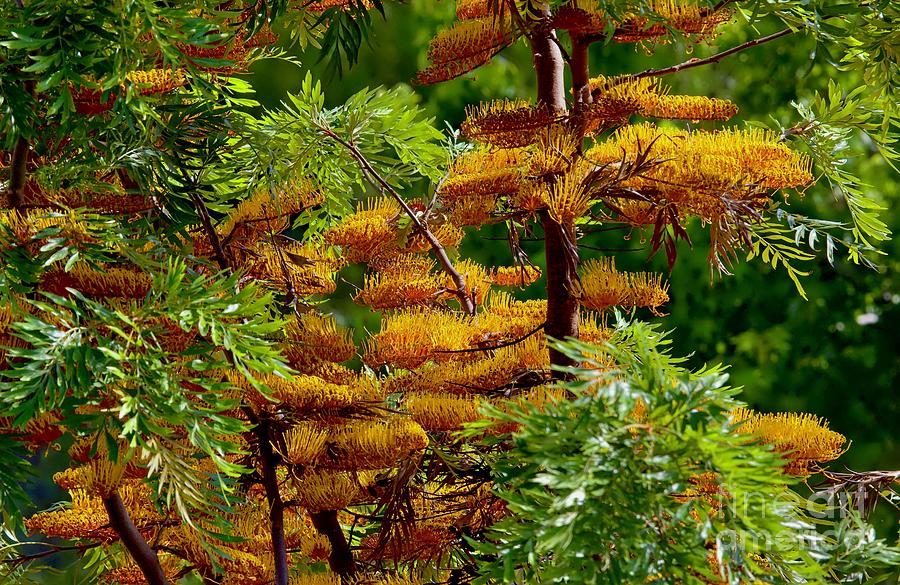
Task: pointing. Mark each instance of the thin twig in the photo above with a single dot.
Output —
(378, 181)
(696, 62)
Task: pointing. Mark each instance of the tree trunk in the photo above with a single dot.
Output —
(562, 305)
(341, 559)
(134, 542)
(276, 505)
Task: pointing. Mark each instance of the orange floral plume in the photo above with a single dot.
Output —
(311, 338)
(110, 282)
(406, 281)
(409, 338)
(602, 286)
(465, 46)
(369, 233)
(804, 439)
(373, 444)
(267, 211)
(506, 123)
(515, 275)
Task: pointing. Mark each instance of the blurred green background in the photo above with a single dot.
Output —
(835, 355)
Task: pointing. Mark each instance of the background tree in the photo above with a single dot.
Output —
(171, 332)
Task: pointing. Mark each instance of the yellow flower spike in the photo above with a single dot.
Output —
(465, 46)
(515, 275)
(592, 328)
(312, 337)
(267, 211)
(442, 412)
(318, 6)
(472, 212)
(485, 184)
(447, 234)
(476, 161)
(310, 270)
(100, 477)
(369, 233)
(111, 282)
(406, 282)
(327, 578)
(478, 280)
(469, 9)
(602, 286)
(324, 489)
(363, 444)
(305, 443)
(689, 107)
(156, 80)
(566, 200)
(804, 439)
(309, 393)
(554, 152)
(647, 290)
(530, 197)
(410, 337)
(506, 123)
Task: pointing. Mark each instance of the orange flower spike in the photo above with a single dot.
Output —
(438, 412)
(111, 282)
(602, 286)
(465, 46)
(506, 123)
(156, 81)
(804, 439)
(647, 290)
(566, 200)
(304, 443)
(409, 338)
(515, 275)
(362, 444)
(368, 233)
(317, 336)
(405, 282)
(265, 206)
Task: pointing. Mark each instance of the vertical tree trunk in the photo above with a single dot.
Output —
(18, 170)
(276, 505)
(562, 305)
(134, 542)
(341, 559)
(581, 73)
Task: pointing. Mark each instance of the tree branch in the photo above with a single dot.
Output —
(18, 171)
(579, 65)
(276, 506)
(341, 559)
(696, 62)
(134, 542)
(378, 181)
(496, 346)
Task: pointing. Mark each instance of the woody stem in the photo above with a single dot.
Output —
(134, 542)
(276, 506)
(341, 559)
(562, 305)
(377, 181)
(17, 173)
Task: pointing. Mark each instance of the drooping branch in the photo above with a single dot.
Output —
(377, 181)
(696, 62)
(341, 559)
(144, 556)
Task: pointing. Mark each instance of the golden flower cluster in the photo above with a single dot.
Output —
(804, 439)
(373, 444)
(515, 275)
(303, 269)
(410, 337)
(311, 338)
(602, 287)
(328, 489)
(109, 282)
(507, 123)
(694, 171)
(267, 211)
(465, 46)
(406, 281)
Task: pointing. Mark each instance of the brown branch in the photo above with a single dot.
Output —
(378, 181)
(269, 461)
(54, 549)
(134, 542)
(18, 171)
(581, 73)
(341, 559)
(696, 62)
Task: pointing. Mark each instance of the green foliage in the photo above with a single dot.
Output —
(600, 494)
(108, 373)
(385, 125)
